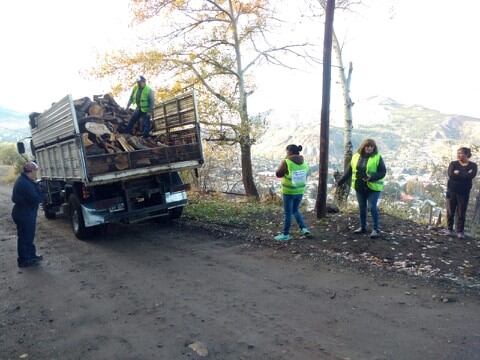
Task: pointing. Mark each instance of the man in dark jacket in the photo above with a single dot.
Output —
(26, 197)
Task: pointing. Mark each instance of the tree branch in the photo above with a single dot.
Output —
(215, 4)
(267, 55)
(234, 127)
(219, 96)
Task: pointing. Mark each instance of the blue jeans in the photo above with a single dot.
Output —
(370, 198)
(137, 115)
(291, 204)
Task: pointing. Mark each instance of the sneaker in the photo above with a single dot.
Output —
(375, 234)
(38, 257)
(282, 237)
(461, 235)
(306, 233)
(360, 230)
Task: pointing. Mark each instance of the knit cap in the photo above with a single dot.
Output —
(29, 167)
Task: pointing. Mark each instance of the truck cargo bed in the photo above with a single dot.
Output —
(61, 152)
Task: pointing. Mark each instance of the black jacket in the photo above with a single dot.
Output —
(461, 183)
(26, 196)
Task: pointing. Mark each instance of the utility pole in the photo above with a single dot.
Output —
(321, 204)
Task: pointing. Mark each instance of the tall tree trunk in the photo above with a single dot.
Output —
(341, 193)
(247, 174)
(246, 146)
(321, 203)
(245, 140)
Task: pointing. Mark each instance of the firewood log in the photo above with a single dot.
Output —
(96, 109)
(121, 162)
(109, 98)
(97, 129)
(82, 121)
(82, 104)
(109, 149)
(86, 141)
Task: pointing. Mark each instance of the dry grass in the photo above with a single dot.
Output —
(7, 174)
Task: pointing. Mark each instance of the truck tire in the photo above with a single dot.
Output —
(76, 218)
(175, 213)
(49, 213)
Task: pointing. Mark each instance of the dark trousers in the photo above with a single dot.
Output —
(456, 205)
(26, 224)
(137, 115)
(364, 199)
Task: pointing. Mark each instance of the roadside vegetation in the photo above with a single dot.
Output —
(230, 210)
(218, 209)
(11, 160)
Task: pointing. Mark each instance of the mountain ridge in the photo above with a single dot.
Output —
(397, 128)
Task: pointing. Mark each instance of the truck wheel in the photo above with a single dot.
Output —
(175, 213)
(76, 218)
(49, 212)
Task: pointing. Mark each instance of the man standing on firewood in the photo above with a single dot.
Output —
(142, 96)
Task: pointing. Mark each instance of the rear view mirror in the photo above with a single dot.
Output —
(21, 148)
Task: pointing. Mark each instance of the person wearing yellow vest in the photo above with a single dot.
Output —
(143, 97)
(367, 171)
(293, 171)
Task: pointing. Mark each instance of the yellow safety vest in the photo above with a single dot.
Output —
(294, 182)
(372, 167)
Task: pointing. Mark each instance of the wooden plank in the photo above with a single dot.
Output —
(124, 143)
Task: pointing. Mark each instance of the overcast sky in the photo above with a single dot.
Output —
(417, 52)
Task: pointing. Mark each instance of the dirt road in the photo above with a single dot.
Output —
(148, 291)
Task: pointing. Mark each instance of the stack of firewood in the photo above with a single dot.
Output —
(103, 122)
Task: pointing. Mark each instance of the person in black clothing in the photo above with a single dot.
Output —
(367, 171)
(26, 196)
(460, 175)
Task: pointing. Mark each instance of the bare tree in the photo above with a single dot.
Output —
(345, 77)
(321, 203)
(341, 192)
(216, 44)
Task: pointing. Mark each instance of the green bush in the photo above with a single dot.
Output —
(11, 159)
(9, 155)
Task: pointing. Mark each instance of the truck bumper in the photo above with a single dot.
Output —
(93, 216)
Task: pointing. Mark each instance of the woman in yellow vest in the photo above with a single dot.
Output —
(293, 171)
(367, 171)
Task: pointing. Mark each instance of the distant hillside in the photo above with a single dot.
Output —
(418, 122)
(13, 125)
(400, 131)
